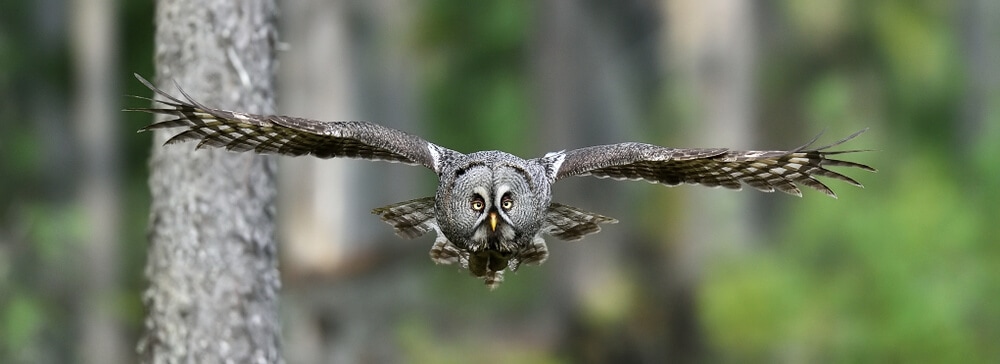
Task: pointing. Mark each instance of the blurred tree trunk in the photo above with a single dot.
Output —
(347, 62)
(595, 71)
(316, 194)
(212, 261)
(94, 46)
(345, 282)
(710, 56)
(979, 27)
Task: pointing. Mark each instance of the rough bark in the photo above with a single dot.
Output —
(212, 261)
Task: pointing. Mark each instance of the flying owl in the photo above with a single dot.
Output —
(492, 208)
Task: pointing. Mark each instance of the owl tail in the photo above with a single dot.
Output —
(570, 223)
(485, 265)
(410, 218)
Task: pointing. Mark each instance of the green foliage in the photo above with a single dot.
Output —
(41, 219)
(420, 345)
(475, 79)
(23, 319)
(917, 46)
(907, 270)
(904, 274)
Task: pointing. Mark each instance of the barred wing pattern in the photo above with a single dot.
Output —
(763, 170)
(570, 224)
(410, 219)
(287, 135)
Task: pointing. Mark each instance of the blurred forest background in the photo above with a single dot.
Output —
(905, 270)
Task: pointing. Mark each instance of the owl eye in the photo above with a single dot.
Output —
(478, 205)
(507, 203)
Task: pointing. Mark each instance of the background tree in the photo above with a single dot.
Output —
(212, 262)
(348, 280)
(94, 44)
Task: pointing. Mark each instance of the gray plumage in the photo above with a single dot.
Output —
(492, 208)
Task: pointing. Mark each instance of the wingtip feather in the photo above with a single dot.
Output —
(842, 141)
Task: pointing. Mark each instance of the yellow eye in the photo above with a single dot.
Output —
(507, 204)
(478, 205)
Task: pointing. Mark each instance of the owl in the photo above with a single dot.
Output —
(492, 209)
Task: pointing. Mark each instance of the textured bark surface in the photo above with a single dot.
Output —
(212, 261)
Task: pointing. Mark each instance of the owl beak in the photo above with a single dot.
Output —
(493, 221)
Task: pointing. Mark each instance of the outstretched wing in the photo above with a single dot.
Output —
(288, 135)
(411, 218)
(570, 223)
(763, 170)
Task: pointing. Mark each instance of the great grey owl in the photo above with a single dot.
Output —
(492, 208)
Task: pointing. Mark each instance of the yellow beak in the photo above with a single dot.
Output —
(493, 221)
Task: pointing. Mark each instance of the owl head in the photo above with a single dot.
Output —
(492, 202)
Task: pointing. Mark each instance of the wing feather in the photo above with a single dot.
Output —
(287, 135)
(411, 218)
(570, 223)
(766, 171)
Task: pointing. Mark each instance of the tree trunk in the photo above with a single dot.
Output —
(343, 267)
(212, 261)
(981, 55)
(710, 53)
(94, 48)
(593, 77)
